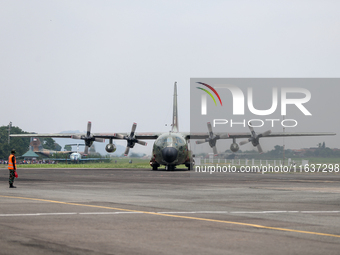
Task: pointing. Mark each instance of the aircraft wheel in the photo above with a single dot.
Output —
(170, 167)
(154, 167)
(190, 166)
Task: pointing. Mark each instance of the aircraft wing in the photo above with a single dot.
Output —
(204, 135)
(138, 135)
(59, 135)
(147, 136)
(248, 135)
(280, 134)
(155, 135)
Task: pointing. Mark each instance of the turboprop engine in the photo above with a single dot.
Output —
(234, 147)
(110, 147)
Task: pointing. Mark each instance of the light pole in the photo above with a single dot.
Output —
(9, 131)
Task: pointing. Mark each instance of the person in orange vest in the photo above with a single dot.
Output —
(12, 167)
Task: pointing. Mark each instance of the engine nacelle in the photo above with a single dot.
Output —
(234, 147)
(110, 147)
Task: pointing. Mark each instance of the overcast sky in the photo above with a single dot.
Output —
(63, 63)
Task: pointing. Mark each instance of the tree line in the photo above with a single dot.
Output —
(320, 151)
(20, 144)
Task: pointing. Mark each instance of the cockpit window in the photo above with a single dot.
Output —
(170, 141)
(161, 142)
(180, 141)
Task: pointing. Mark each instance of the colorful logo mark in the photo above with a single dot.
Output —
(209, 93)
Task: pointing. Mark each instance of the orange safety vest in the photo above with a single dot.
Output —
(10, 162)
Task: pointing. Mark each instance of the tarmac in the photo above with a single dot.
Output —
(140, 211)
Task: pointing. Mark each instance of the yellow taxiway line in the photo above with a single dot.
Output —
(178, 216)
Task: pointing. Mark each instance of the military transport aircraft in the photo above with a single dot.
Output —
(36, 146)
(81, 156)
(75, 156)
(170, 148)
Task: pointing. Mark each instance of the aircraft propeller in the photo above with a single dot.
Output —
(211, 139)
(131, 139)
(255, 139)
(88, 138)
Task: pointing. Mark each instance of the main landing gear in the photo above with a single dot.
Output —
(154, 166)
(190, 164)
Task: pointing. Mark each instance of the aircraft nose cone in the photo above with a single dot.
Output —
(169, 154)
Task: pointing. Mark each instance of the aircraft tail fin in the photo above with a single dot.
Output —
(35, 144)
(175, 112)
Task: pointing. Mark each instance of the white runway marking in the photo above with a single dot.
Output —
(34, 214)
(320, 211)
(197, 212)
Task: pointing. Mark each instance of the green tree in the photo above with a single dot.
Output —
(20, 144)
(50, 144)
(136, 155)
(68, 148)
